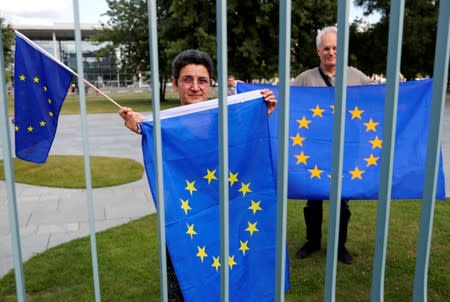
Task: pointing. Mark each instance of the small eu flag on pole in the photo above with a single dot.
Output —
(40, 87)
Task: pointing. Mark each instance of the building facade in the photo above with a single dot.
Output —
(59, 41)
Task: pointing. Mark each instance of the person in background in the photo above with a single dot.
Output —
(232, 82)
(325, 75)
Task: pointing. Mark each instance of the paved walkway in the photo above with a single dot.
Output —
(50, 216)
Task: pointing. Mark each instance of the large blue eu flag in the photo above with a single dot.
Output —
(310, 141)
(190, 165)
(40, 86)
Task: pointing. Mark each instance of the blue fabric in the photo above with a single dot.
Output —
(190, 150)
(309, 172)
(40, 86)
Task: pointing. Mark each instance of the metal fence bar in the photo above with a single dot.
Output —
(154, 66)
(87, 165)
(338, 149)
(283, 133)
(9, 176)
(389, 130)
(221, 17)
(440, 75)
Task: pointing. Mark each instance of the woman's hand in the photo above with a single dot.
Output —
(270, 100)
(132, 119)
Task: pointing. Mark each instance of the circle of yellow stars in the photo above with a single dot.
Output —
(305, 122)
(42, 123)
(243, 188)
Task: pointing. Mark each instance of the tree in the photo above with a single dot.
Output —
(419, 37)
(368, 50)
(8, 40)
(184, 26)
(307, 18)
(253, 39)
(124, 34)
(252, 33)
(253, 28)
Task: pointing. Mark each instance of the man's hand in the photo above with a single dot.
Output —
(132, 119)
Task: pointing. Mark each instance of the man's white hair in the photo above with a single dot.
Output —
(323, 31)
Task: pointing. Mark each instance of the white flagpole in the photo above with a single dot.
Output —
(10, 184)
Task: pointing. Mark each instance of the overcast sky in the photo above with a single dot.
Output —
(49, 12)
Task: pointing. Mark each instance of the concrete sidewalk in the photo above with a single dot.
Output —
(50, 216)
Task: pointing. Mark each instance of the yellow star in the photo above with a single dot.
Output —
(231, 262)
(376, 142)
(244, 247)
(49, 101)
(185, 205)
(42, 123)
(210, 176)
(216, 263)
(190, 186)
(36, 79)
(315, 172)
(191, 230)
(245, 188)
(22, 77)
(45, 88)
(371, 125)
(297, 140)
(17, 128)
(317, 111)
(252, 228)
(356, 113)
(303, 123)
(50, 114)
(30, 129)
(255, 206)
(201, 253)
(301, 158)
(233, 178)
(372, 160)
(357, 173)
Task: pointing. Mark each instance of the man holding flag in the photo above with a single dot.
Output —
(325, 75)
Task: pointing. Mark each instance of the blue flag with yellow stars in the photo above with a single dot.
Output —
(190, 164)
(40, 86)
(310, 141)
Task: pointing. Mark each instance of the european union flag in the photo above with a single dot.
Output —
(310, 141)
(40, 86)
(190, 165)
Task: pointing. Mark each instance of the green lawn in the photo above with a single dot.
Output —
(128, 261)
(63, 171)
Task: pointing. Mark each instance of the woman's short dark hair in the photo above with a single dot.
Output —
(192, 56)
